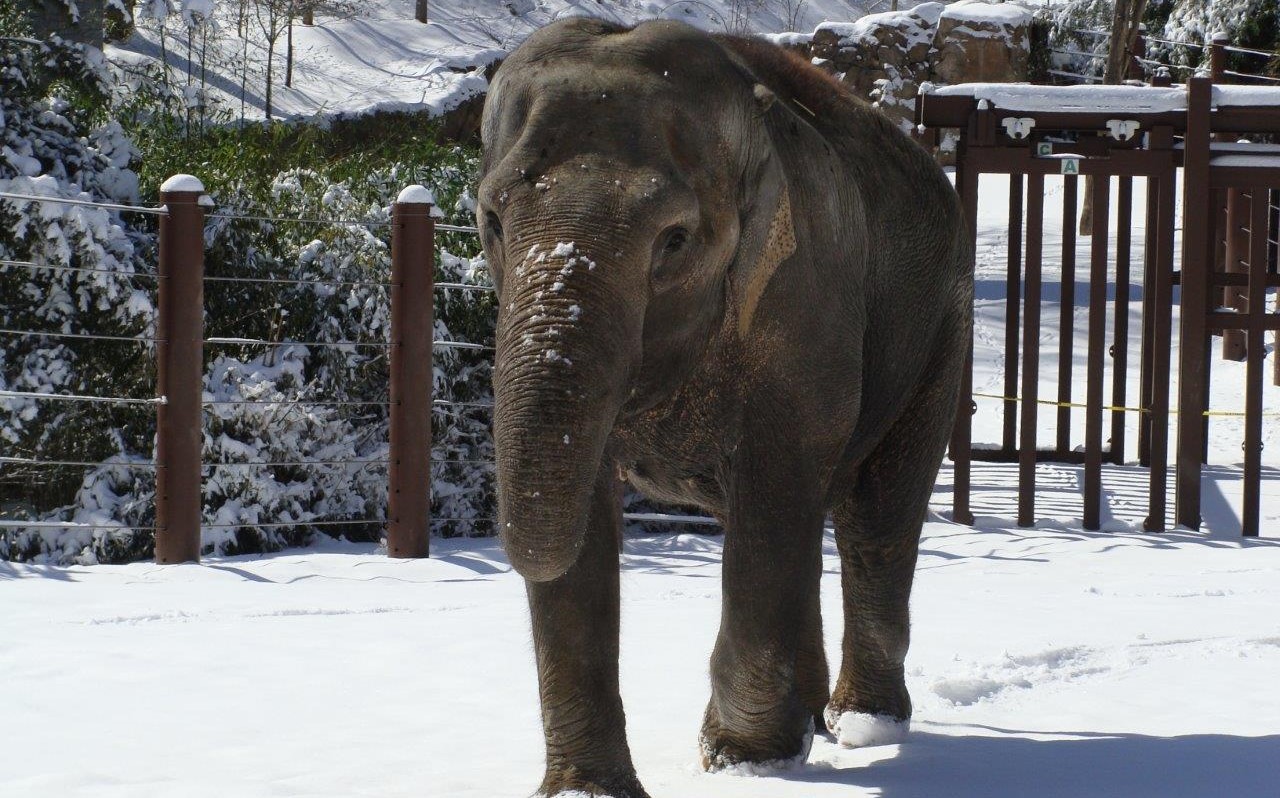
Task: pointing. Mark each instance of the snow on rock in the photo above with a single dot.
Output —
(860, 730)
(981, 12)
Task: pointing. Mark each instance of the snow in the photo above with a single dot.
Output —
(381, 59)
(1047, 661)
(1111, 664)
(1026, 97)
(1235, 96)
(416, 194)
(979, 11)
(916, 23)
(182, 182)
(860, 730)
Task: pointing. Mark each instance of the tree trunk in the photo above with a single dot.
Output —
(271, 51)
(288, 52)
(420, 12)
(1126, 22)
(308, 16)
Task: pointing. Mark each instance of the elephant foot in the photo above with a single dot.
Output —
(573, 783)
(862, 729)
(723, 752)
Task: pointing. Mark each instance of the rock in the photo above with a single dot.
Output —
(980, 42)
(882, 57)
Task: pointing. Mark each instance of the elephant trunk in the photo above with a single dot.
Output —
(564, 357)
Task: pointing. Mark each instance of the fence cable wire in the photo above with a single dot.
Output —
(286, 219)
(53, 267)
(287, 281)
(82, 336)
(111, 206)
(26, 461)
(71, 397)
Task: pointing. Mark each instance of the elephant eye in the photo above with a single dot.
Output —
(675, 241)
(494, 224)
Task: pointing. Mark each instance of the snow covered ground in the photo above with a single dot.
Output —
(1045, 661)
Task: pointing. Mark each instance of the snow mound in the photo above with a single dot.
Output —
(860, 730)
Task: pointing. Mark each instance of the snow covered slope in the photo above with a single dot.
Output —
(381, 58)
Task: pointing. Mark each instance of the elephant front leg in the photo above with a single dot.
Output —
(763, 673)
(575, 638)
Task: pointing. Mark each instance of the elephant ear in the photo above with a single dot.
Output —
(768, 239)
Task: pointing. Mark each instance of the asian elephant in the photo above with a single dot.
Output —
(727, 281)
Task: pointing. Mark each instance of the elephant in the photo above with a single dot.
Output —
(725, 280)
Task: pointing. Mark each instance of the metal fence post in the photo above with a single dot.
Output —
(412, 323)
(179, 371)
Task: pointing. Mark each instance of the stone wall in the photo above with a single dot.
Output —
(885, 57)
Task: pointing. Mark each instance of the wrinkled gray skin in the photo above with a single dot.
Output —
(702, 343)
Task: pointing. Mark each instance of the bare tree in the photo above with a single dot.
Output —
(791, 11)
(740, 12)
(273, 18)
(1126, 23)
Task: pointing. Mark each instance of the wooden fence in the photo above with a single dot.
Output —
(1128, 132)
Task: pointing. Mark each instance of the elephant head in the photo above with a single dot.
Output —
(632, 209)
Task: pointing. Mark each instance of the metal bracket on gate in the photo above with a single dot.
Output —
(1018, 127)
(1122, 129)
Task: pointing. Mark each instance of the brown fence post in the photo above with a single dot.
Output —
(1218, 57)
(412, 323)
(1197, 259)
(179, 371)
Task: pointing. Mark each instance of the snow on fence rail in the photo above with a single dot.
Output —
(180, 341)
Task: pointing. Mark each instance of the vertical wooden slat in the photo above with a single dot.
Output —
(1031, 352)
(1197, 251)
(962, 431)
(1237, 251)
(180, 371)
(1162, 346)
(1257, 306)
(1013, 291)
(1097, 353)
(1066, 323)
(1150, 258)
(1120, 340)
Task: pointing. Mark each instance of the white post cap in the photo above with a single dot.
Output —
(183, 183)
(416, 194)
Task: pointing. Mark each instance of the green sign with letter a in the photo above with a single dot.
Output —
(1070, 166)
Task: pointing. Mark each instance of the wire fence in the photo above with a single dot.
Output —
(160, 344)
(1214, 61)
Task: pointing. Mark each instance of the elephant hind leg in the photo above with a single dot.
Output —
(878, 527)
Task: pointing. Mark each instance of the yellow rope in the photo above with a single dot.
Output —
(1114, 408)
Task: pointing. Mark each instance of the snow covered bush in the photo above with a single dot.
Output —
(59, 141)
